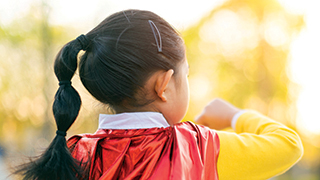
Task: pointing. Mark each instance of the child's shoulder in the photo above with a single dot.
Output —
(191, 127)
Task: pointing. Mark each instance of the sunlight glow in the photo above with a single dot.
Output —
(84, 15)
(175, 12)
(231, 29)
(295, 6)
(305, 64)
(234, 31)
(199, 86)
(305, 71)
(275, 30)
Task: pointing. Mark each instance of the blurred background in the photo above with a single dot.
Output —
(262, 55)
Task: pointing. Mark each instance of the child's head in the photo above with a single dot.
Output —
(121, 54)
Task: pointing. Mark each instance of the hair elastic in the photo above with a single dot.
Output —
(64, 83)
(61, 133)
(154, 27)
(83, 40)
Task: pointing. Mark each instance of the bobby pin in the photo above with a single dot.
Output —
(159, 43)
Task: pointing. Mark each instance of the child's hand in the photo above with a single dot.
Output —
(217, 114)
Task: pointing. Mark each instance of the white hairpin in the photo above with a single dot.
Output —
(153, 27)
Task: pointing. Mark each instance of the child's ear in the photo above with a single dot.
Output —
(162, 83)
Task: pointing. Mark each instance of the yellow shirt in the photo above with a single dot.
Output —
(260, 149)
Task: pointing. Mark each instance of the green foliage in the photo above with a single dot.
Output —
(27, 83)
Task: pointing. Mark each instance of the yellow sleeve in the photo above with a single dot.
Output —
(261, 148)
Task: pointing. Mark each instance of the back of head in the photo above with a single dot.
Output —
(121, 53)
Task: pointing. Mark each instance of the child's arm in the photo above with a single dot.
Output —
(262, 148)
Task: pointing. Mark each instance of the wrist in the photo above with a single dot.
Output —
(236, 117)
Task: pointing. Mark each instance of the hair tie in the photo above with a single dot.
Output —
(61, 133)
(64, 83)
(83, 40)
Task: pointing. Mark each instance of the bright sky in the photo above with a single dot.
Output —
(305, 66)
(180, 13)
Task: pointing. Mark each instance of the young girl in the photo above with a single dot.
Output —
(135, 62)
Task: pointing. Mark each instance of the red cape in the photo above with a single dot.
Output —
(184, 151)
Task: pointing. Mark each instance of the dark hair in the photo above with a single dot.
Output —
(121, 53)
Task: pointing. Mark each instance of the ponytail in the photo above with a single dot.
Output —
(56, 162)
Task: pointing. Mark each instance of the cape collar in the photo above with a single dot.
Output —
(134, 120)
